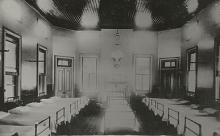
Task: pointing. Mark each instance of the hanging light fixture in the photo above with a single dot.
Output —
(117, 38)
(117, 54)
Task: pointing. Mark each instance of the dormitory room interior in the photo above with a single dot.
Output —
(109, 67)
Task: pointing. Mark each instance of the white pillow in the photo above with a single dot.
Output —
(47, 100)
(210, 110)
(34, 104)
(19, 110)
(194, 106)
(55, 98)
(3, 114)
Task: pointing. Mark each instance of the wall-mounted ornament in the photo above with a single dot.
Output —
(116, 58)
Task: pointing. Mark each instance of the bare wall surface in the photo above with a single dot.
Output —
(17, 16)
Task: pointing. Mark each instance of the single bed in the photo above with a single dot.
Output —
(57, 115)
(40, 128)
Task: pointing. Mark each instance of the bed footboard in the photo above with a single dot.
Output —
(42, 126)
(173, 115)
(192, 128)
(60, 116)
(160, 108)
(72, 108)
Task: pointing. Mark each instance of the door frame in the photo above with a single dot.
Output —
(6, 31)
(175, 68)
(74, 72)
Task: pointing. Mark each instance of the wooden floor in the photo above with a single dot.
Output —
(97, 119)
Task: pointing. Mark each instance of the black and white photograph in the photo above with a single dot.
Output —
(110, 67)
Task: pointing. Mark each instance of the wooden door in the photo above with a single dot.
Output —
(169, 76)
(64, 76)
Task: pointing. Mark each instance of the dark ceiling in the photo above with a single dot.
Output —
(112, 14)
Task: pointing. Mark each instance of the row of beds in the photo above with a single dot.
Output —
(40, 118)
(187, 119)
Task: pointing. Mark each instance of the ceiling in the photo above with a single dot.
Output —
(120, 14)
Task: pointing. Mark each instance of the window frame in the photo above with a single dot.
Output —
(44, 49)
(188, 53)
(17, 93)
(150, 75)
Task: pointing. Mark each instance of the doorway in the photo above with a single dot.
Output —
(169, 76)
(64, 76)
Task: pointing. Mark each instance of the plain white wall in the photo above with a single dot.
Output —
(169, 43)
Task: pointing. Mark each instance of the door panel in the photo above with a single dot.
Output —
(60, 83)
(89, 73)
(68, 81)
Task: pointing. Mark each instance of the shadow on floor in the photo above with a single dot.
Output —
(89, 121)
(149, 123)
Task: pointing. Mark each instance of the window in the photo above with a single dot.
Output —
(217, 69)
(11, 65)
(167, 63)
(143, 73)
(89, 72)
(192, 70)
(63, 62)
(41, 70)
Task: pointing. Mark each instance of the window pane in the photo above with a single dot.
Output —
(10, 56)
(41, 64)
(218, 69)
(173, 64)
(193, 57)
(9, 86)
(192, 81)
(92, 80)
(167, 64)
(42, 81)
(146, 82)
(138, 82)
(192, 66)
(143, 65)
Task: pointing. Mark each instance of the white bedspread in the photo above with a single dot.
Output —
(22, 119)
(209, 124)
(8, 130)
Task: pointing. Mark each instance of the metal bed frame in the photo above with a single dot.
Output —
(160, 109)
(12, 99)
(42, 94)
(171, 116)
(59, 117)
(154, 103)
(189, 129)
(43, 124)
(72, 108)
